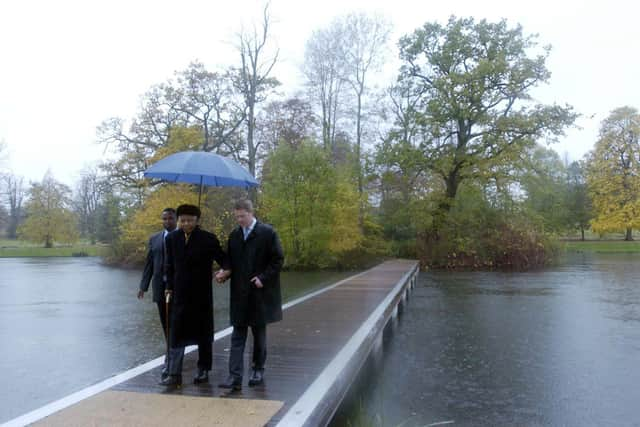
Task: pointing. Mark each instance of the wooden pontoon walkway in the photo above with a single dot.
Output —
(314, 354)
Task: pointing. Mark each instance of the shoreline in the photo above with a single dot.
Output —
(26, 251)
(601, 246)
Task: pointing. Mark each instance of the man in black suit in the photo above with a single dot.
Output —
(256, 258)
(154, 270)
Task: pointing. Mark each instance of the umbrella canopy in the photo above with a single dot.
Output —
(201, 168)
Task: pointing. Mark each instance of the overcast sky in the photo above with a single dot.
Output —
(67, 65)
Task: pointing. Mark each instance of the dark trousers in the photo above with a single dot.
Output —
(176, 357)
(162, 309)
(238, 341)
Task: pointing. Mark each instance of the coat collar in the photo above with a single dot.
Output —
(252, 233)
(194, 233)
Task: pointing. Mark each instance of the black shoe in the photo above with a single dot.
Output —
(172, 381)
(232, 383)
(257, 377)
(201, 377)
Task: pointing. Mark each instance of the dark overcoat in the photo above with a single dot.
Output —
(189, 276)
(260, 255)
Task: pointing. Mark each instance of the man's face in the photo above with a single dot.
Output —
(243, 218)
(168, 220)
(187, 222)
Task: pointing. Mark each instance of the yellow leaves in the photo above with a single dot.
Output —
(48, 218)
(55, 225)
(141, 223)
(145, 221)
(217, 216)
(616, 217)
(613, 173)
(345, 230)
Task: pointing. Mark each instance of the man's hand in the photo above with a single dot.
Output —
(140, 294)
(167, 295)
(256, 281)
(219, 276)
(222, 276)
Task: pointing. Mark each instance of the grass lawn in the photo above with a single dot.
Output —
(17, 248)
(603, 246)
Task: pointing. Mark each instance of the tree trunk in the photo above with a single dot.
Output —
(12, 229)
(582, 233)
(325, 127)
(452, 183)
(629, 236)
(359, 161)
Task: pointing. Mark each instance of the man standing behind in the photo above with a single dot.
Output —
(154, 271)
(190, 255)
(256, 259)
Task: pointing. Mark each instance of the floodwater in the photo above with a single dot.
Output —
(558, 347)
(67, 323)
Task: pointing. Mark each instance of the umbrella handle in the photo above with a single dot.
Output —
(166, 307)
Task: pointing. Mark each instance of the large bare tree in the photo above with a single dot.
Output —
(253, 78)
(135, 144)
(289, 122)
(210, 101)
(196, 99)
(15, 193)
(365, 43)
(324, 72)
(88, 197)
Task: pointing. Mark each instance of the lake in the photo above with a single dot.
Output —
(557, 347)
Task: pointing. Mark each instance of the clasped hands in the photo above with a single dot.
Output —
(223, 275)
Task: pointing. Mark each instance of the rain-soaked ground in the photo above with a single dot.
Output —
(66, 323)
(559, 347)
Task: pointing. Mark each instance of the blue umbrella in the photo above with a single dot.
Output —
(201, 168)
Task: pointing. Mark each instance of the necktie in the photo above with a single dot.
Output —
(164, 255)
(164, 243)
(246, 232)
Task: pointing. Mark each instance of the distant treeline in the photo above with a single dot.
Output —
(448, 163)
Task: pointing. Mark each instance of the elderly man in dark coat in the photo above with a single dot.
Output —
(256, 257)
(154, 271)
(190, 255)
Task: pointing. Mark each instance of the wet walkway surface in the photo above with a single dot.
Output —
(302, 346)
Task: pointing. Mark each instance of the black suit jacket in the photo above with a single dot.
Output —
(154, 268)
